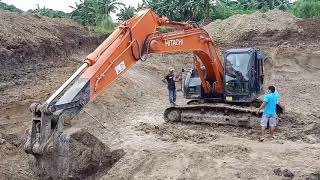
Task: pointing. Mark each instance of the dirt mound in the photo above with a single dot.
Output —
(30, 42)
(32, 47)
(37, 54)
(307, 33)
(237, 26)
(272, 28)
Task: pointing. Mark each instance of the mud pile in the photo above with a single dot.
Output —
(37, 54)
(272, 28)
(31, 45)
(237, 26)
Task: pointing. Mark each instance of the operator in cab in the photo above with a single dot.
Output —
(269, 106)
(170, 79)
(234, 75)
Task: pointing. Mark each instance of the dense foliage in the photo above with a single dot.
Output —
(307, 8)
(197, 10)
(92, 12)
(96, 13)
(49, 12)
(11, 8)
(126, 13)
(181, 10)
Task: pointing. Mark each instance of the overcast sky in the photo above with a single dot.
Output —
(62, 5)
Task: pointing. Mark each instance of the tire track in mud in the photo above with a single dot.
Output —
(289, 129)
(157, 137)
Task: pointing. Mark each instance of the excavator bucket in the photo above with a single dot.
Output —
(65, 153)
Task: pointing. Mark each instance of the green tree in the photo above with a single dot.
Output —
(7, 7)
(221, 11)
(96, 13)
(49, 12)
(111, 6)
(271, 4)
(307, 8)
(263, 4)
(181, 10)
(92, 12)
(126, 13)
(83, 13)
(106, 25)
(197, 10)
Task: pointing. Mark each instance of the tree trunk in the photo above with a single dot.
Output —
(207, 9)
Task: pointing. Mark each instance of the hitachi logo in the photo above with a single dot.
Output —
(174, 42)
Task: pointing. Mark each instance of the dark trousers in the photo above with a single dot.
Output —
(172, 96)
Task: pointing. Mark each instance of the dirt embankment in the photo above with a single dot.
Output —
(29, 42)
(273, 28)
(37, 54)
(31, 46)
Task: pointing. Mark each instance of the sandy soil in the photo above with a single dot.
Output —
(132, 111)
(158, 150)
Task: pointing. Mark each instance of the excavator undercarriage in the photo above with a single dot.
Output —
(213, 114)
(218, 113)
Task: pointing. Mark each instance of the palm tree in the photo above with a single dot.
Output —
(91, 12)
(126, 13)
(167, 8)
(110, 6)
(83, 13)
(181, 10)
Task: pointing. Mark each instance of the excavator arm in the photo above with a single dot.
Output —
(137, 37)
(50, 141)
(194, 40)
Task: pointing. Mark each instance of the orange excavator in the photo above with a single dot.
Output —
(219, 94)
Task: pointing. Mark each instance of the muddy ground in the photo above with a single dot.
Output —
(132, 111)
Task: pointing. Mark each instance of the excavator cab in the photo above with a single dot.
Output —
(243, 75)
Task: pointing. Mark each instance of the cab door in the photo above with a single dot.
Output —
(259, 72)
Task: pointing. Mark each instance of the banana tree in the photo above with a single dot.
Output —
(126, 13)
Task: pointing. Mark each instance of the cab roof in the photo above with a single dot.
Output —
(240, 50)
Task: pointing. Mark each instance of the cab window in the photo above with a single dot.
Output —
(236, 73)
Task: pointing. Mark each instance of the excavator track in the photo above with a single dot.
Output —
(217, 113)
